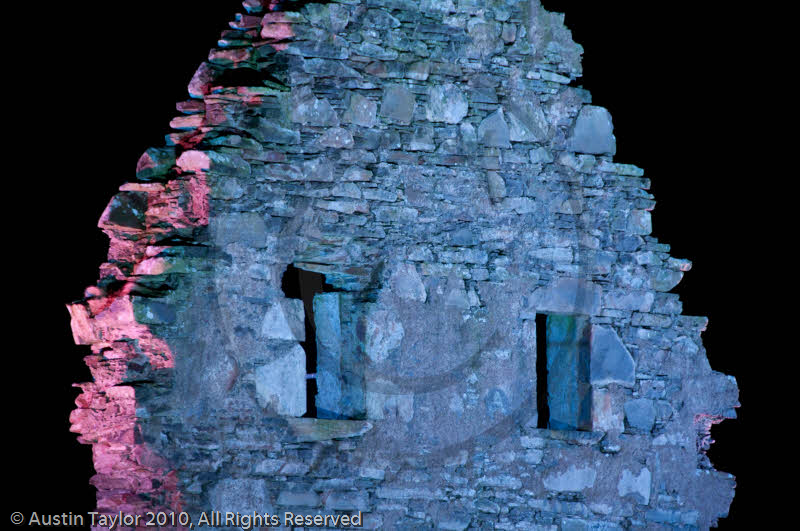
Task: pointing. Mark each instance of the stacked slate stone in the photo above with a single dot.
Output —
(435, 162)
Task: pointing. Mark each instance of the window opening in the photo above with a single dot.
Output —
(305, 285)
(335, 387)
(563, 389)
(541, 372)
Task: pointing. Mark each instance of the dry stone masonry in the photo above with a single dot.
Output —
(496, 345)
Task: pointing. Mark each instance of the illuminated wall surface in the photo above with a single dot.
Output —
(489, 341)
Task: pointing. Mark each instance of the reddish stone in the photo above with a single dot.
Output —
(191, 106)
(201, 81)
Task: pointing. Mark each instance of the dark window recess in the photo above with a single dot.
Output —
(541, 372)
(301, 284)
(563, 389)
(334, 358)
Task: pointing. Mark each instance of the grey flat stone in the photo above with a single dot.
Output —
(308, 109)
(407, 284)
(309, 430)
(240, 495)
(361, 111)
(318, 169)
(610, 360)
(636, 484)
(494, 132)
(337, 137)
(593, 132)
(640, 414)
(565, 295)
(446, 103)
(281, 384)
(247, 228)
(574, 479)
(327, 318)
(299, 499)
(397, 105)
(527, 120)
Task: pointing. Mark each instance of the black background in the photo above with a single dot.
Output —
(92, 85)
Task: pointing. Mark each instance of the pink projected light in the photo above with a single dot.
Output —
(130, 477)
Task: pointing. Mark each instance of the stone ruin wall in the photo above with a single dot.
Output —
(437, 163)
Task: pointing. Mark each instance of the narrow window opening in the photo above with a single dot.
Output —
(541, 372)
(305, 285)
(563, 388)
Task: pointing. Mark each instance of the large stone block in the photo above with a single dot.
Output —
(332, 17)
(397, 105)
(497, 186)
(593, 132)
(241, 496)
(368, 49)
(319, 169)
(378, 18)
(310, 430)
(155, 163)
(308, 109)
(281, 384)
(421, 139)
(606, 413)
(246, 228)
(333, 47)
(446, 103)
(456, 293)
(574, 479)
(527, 120)
(384, 333)
(154, 311)
(361, 111)
(437, 6)
(640, 414)
(637, 485)
(640, 301)
(327, 318)
(126, 210)
(564, 295)
(347, 501)
(494, 132)
(610, 360)
(284, 320)
(340, 358)
(484, 39)
(329, 67)
(299, 499)
(663, 279)
(269, 131)
(337, 137)
(384, 400)
(640, 222)
(407, 284)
